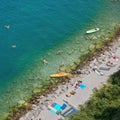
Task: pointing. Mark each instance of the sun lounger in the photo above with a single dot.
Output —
(69, 111)
(97, 72)
(107, 68)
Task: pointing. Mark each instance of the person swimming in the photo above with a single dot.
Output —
(7, 26)
(59, 52)
(13, 46)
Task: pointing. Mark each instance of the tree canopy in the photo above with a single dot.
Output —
(104, 104)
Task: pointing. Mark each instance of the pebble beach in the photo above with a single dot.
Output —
(90, 78)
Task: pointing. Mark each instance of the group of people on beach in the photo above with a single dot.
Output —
(109, 63)
(77, 84)
(108, 60)
(75, 87)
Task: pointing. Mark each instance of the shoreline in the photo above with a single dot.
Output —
(99, 85)
(27, 82)
(36, 97)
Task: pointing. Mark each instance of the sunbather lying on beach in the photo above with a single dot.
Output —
(109, 64)
(114, 57)
(78, 84)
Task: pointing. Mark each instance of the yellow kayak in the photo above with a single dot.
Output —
(93, 30)
(60, 75)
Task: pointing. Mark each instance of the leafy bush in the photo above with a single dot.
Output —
(104, 104)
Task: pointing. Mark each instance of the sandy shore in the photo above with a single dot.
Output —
(90, 78)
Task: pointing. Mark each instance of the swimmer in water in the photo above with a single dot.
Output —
(13, 46)
(7, 26)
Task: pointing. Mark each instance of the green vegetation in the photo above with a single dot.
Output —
(104, 104)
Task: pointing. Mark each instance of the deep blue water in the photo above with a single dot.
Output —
(35, 28)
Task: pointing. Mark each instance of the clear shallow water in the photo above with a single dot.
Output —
(39, 29)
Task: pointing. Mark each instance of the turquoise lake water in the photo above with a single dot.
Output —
(38, 29)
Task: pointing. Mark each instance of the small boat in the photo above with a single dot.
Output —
(57, 75)
(92, 30)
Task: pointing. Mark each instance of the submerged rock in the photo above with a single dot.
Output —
(36, 90)
(21, 102)
(77, 61)
(4, 116)
(92, 48)
(99, 45)
(72, 66)
(62, 68)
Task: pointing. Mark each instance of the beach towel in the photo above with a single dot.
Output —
(82, 86)
(63, 106)
(57, 108)
(53, 112)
